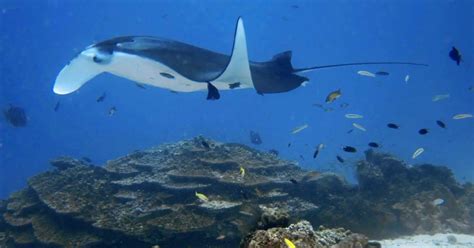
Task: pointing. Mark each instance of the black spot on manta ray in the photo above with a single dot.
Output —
(166, 75)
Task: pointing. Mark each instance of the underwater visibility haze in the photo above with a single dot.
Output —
(313, 107)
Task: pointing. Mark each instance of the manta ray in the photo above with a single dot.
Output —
(181, 67)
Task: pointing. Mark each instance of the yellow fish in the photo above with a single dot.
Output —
(299, 129)
(462, 116)
(242, 171)
(202, 197)
(358, 126)
(289, 243)
(333, 96)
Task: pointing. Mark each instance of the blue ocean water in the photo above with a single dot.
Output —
(37, 38)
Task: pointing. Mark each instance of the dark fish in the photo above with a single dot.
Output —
(56, 107)
(205, 144)
(101, 98)
(423, 131)
(166, 75)
(316, 152)
(86, 159)
(350, 131)
(274, 152)
(141, 86)
(255, 138)
(393, 126)
(234, 85)
(301, 156)
(15, 116)
(293, 181)
(294, 6)
(382, 73)
(455, 55)
(374, 145)
(289, 144)
(112, 111)
(341, 160)
(349, 149)
(441, 124)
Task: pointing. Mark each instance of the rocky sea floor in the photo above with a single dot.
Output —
(202, 193)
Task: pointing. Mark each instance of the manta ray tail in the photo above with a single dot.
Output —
(352, 64)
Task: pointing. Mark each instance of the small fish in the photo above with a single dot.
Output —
(358, 126)
(319, 105)
(328, 109)
(255, 138)
(289, 243)
(423, 131)
(441, 124)
(366, 73)
(341, 160)
(242, 171)
(393, 126)
(440, 97)
(344, 105)
(350, 131)
(112, 111)
(299, 129)
(141, 86)
(382, 73)
(301, 156)
(318, 149)
(438, 202)
(273, 152)
(349, 149)
(417, 153)
(56, 107)
(234, 85)
(333, 96)
(354, 116)
(205, 144)
(407, 77)
(201, 196)
(289, 144)
(101, 98)
(455, 55)
(293, 181)
(221, 237)
(374, 145)
(462, 116)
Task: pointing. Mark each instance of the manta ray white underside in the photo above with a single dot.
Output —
(147, 71)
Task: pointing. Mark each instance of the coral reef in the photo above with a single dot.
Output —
(302, 235)
(149, 198)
